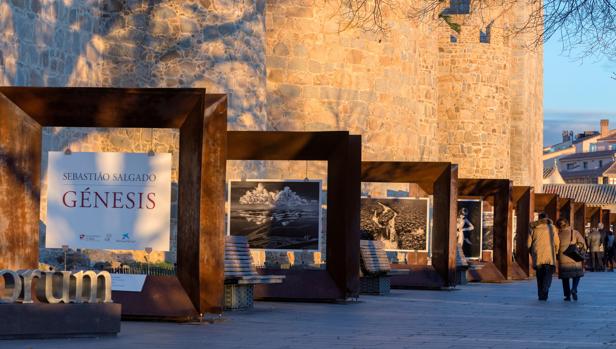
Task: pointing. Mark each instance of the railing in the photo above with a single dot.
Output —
(156, 270)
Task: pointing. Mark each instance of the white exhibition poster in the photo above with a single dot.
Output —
(127, 282)
(117, 201)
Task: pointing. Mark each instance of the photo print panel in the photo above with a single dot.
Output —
(278, 215)
(469, 226)
(488, 231)
(400, 223)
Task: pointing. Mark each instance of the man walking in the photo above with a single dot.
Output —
(595, 245)
(543, 243)
(608, 249)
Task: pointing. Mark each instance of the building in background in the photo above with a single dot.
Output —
(587, 157)
(593, 195)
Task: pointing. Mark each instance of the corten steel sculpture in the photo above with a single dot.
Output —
(565, 209)
(498, 192)
(579, 221)
(201, 120)
(440, 180)
(524, 204)
(547, 203)
(605, 218)
(593, 216)
(342, 152)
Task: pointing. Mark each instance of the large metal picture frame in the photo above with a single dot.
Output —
(202, 121)
(340, 279)
(439, 179)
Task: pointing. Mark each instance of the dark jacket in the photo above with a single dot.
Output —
(543, 242)
(567, 267)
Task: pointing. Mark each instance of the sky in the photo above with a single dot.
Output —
(577, 93)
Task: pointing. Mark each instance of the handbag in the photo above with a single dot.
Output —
(573, 251)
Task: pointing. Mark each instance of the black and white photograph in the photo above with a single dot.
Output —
(469, 226)
(488, 231)
(274, 214)
(400, 223)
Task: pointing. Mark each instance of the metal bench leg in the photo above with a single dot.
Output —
(239, 297)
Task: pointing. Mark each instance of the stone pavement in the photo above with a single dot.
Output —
(475, 316)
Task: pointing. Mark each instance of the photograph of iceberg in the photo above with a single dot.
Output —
(276, 214)
(400, 223)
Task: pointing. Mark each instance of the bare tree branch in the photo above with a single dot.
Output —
(584, 26)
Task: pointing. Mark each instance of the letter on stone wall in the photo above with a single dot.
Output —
(17, 285)
(85, 287)
(28, 276)
(54, 281)
(56, 286)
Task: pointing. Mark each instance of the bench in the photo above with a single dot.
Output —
(241, 275)
(375, 268)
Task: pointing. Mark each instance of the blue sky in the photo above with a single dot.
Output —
(577, 93)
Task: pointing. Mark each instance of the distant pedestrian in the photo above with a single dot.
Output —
(543, 245)
(567, 267)
(594, 242)
(608, 247)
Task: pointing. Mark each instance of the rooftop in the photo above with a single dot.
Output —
(589, 173)
(589, 155)
(591, 194)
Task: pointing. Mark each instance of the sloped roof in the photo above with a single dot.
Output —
(593, 172)
(552, 175)
(611, 170)
(587, 137)
(610, 137)
(589, 155)
(591, 194)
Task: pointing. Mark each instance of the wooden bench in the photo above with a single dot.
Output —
(241, 275)
(375, 268)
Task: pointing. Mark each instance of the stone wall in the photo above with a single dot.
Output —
(526, 107)
(216, 44)
(382, 87)
(474, 101)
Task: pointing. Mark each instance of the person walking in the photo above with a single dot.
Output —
(594, 240)
(543, 243)
(608, 253)
(569, 269)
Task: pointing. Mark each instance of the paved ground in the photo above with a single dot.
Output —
(476, 316)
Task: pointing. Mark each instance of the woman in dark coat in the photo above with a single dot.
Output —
(567, 267)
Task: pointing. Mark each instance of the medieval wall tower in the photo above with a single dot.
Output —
(420, 92)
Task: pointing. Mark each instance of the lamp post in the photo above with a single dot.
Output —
(148, 250)
(65, 249)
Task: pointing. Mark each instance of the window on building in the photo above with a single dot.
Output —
(600, 163)
(459, 7)
(484, 35)
(453, 38)
(612, 146)
(570, 167)
(585, 164)
(593, 147)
